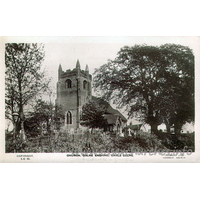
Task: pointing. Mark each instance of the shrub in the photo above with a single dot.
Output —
(99, 141)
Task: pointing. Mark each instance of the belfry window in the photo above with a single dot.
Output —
(84, 84)
(69, 118)
(68, 83)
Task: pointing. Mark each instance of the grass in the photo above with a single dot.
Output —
(62, 142)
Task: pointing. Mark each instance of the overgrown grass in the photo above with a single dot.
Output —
(172, 142)
(62, 142)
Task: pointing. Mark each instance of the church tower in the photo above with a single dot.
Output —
(73, 91)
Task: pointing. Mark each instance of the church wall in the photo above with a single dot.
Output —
(68, 98)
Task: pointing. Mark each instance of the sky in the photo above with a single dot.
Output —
(95, 51)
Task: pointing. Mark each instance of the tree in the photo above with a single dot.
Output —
(44, 114)
(177, 104)
(24, 79)
(139, 76)
(92, 114)
(133, 79)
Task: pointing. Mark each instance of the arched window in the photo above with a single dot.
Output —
(68, 83)
(84, 84)
(69, 118)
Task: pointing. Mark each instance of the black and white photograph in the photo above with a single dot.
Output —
(99, 100)
(107, 99)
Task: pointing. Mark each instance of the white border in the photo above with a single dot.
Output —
(62, 157)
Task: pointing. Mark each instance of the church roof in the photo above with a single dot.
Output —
(111, 114)
(134, 127)
(111, 118)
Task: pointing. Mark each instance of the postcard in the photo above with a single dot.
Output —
(100, 99)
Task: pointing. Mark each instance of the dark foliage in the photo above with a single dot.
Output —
(156, 84)
(92, 114)
(24, 79)
(99, 142)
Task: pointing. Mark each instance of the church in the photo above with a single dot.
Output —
(73, 91)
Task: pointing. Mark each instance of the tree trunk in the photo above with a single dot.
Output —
(168, 128)
(21, 113)
(152, 120)
(154, 128)
(177, 128)
(22, 131)
(167, 124)
(14, 136)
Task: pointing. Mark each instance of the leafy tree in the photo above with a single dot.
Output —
(23, 77)
(92, 114)
(133, 79)
(139, 79)
(177, 104)
(44, 113)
